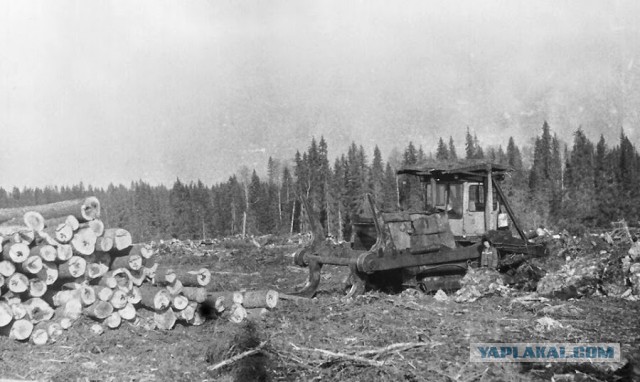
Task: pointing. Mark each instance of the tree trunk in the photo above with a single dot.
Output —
(165, 319)
(32, 265)
(134, 296)
(19, 311)
(179, 302)
(97, 226)
(244, 224)
(340, 228)
(201, 277)
(37, 287)
(7, 268)
(260, 299)
(164, 276)
(128, 312)
(132, 262)
(121, 277)
(108, 280)
(38, 310)
(136, 277)
(155, 298)
(48, 273)
(113, 321)
(119, 299)
(83, 209)
(21, 329)
(121, 238)
(6, 314)
(188, 312)
(175, 288)
(16, 252)
(72, 268)
(84, 241)
(62, 233)
(104, 244)
(62, 297)
(99, 257)
(143, 250)
(87, 294)
(99, 310)
(18, 234)
(34, 221)
(103, 293)
(95, 270)
(198, 318)
(230, 298)
(18, 283)
(69, 220)
(257, 314)
(195, 294)
(45, 251)
(236, 314)
(39, 335)
(293, 214)
(54, 329)
(45, 238)
(72, 309)
(65, 252)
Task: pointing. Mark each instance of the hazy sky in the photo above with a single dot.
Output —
(115, 91)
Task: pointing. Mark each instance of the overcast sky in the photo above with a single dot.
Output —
(115, 91)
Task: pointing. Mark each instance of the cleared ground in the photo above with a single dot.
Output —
(443, 331)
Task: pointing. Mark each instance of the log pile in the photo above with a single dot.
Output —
(59, 263)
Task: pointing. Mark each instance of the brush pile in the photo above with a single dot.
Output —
(59, 263)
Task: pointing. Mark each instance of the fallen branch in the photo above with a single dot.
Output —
(236, 273)
(397, 348)
(238, 357)
(349, 357)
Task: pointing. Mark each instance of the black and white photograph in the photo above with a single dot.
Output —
(320, 190)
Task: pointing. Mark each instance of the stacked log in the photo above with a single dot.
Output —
(58, 263)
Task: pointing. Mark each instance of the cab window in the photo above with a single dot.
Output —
(476, 199)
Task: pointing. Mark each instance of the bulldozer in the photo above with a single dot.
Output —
(454, 213)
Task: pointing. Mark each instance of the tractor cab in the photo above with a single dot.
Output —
(468, 194)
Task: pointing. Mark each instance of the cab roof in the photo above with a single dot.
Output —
(470, 170)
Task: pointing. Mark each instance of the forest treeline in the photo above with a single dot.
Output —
(574, 186)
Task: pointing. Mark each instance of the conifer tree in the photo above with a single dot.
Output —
(377, 177)
(452, 150)
(442, 153)
(469, 145)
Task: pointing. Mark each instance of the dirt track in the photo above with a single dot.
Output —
(370, 322)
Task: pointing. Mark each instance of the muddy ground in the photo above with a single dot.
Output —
(443, 331)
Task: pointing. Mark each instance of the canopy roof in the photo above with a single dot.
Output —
(473, 170)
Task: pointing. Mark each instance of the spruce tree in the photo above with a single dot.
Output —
(452, 150)
(442, 153)
(469, 145)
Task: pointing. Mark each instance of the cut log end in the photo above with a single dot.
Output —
(21, 330)
(165, 320)
(34, 220)
(84, 241)
(90, 209)
(16, 252)
(99, 310)
(113, 321)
